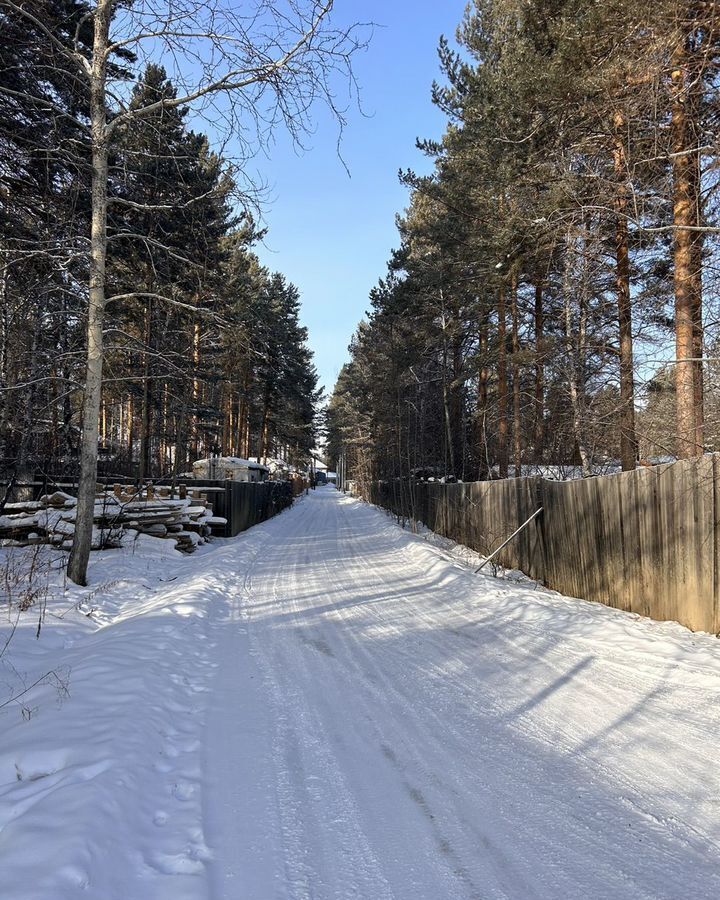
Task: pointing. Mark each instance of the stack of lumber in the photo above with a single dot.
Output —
(186, 519)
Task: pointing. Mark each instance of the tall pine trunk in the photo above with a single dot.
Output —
(82, 540)
(482, 402)
(457, 406)
(450, 455)
(262, 431)
(23, 467)
(539, 426)
(130, 426)
(517, 412)
(575, 348)
(502, 385)
(244, 411)
(696, 282)
(628, 438)
(688, 323)
(628, 435)
(4, 356)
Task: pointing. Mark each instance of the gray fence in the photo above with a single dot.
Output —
(646, 541)
(245, 504)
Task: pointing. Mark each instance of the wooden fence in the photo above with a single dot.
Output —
(646, 541)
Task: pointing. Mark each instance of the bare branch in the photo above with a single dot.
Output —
(149, 295)
(236, 80)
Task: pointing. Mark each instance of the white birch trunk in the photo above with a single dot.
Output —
(79, 557)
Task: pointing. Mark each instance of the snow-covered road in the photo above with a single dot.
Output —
(350, 712)
(417, 732)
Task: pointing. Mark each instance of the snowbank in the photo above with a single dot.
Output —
(100, 778)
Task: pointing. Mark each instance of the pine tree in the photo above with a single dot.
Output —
(43, 213)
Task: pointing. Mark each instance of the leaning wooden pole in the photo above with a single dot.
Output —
(506, 542)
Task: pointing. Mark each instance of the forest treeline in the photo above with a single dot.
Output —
(204, 351)
(553, 297)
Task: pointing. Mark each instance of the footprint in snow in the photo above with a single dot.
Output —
(183, 791)
(36, 764)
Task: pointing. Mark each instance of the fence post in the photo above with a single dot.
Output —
(540, 499)
(229, 510)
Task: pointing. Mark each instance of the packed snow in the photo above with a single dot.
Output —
(329, 706)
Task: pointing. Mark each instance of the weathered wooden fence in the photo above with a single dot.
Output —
(646, 541)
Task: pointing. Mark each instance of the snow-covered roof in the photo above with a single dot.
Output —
(230, 461)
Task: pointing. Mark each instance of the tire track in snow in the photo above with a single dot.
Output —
(312, 796)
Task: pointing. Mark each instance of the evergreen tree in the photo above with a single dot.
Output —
(43, 212)
(534, 276)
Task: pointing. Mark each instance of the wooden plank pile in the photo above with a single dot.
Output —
(187, 519)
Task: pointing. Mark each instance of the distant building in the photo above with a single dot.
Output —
(229, 468)
(318, 468)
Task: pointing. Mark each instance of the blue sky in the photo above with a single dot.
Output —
(331, 234)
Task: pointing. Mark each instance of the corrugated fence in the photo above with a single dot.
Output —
(245, 504)
(646, 541)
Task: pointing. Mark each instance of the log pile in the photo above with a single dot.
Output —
(186, 519)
